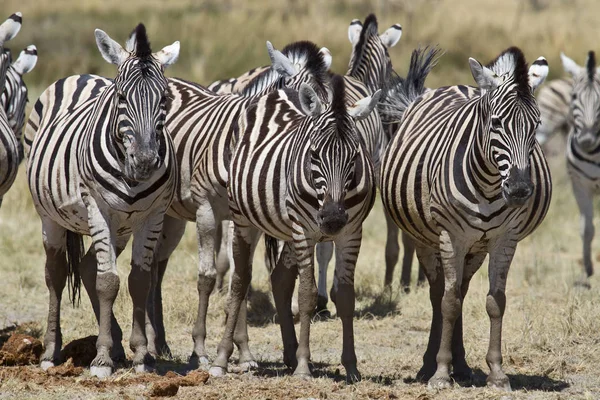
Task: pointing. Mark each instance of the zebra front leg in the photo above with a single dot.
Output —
(324, 254)
(408, 247)
(56, 270)
(391, 254)
(244, 242)
(584, 197)
(307, 298)
(501, 256)
(346, 253)
(88, 270)
(172, 232)
(145, 241)
(222, 256)
(452, 253)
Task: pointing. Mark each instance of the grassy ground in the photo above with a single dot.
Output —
(551, 344)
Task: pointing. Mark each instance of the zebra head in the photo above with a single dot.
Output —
(140, 94)
(334, 147)
(14, 97)
(510, 116)
(585, 102)
(370, 61)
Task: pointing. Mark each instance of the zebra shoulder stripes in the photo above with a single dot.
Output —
(101, 164)
(464, 176)
(14, 97)
(9, 153)
(299, 173)
(583, 146)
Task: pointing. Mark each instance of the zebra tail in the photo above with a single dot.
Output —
(402, 92)
(75, 252)
(271, 252)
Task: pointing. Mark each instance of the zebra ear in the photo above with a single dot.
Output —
(280, 62)
(130, 43)
(538, 72)
(309, 101)
(26, 61)
(10, 28)
(354, 31)
(326, 54)
(569, 65)
(168, 55)
(363, 107)
(390, 37)
(111, 51)
(484, 77)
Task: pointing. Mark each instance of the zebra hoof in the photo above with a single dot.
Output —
(196, 362)
(248, 365)
(217, 372)
(46, 364)
(303, 375)
(141, 368)
(100, 372)
(439, 382)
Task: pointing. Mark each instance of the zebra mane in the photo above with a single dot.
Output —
(142, 45)
(304, 53)
(370, 29)
(591, 66)
(338, 102)
(512, 61)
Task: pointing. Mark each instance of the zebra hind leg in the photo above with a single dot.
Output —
(56, 278)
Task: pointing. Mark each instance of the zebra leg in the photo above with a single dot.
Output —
(283, 280)
(88, 272)
(501, 255)
(461, 371)
(172, 232)
(453, 257)
(584, 197)
(409, 250)
(346, 253)
(142, 262)
(391, 254)
(206, 226)
(56, 278)
(244, 244)
(430, 259)
(222, 258)
(307, 301)
(324, 254)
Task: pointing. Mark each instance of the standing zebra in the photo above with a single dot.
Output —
(583, 155)
(14, 97)
(201, 124)
(464, 176)
(101, 164)
(553, 99)
(299, 173)
(9, 152)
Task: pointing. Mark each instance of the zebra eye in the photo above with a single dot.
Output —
(121, 95)
(496, 124)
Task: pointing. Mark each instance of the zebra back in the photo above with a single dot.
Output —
(237, 85)
(553, 99)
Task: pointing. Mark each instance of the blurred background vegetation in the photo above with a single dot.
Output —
(224, 38)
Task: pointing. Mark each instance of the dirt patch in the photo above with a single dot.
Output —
(66, 369)
(81, 351)
(169, 385)
(21, 349)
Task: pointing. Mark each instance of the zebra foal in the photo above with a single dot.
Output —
(464, 177)
(102, 164)
(299, 173)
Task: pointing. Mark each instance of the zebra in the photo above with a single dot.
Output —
(9, 153)
(102, 164)
(553, 99)
(14, 97)
(201, 124)
(583, 161)
(464, 177)
(299, 173)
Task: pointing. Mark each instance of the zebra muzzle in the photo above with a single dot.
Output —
(517, 188)
(332, 218)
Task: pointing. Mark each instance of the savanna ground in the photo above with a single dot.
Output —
(551, 339)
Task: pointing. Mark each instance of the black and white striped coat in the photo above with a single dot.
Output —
(101, 164)
(464, 176)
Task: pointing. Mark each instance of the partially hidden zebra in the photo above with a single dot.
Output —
(14, 98)
(465, 177)
(202, 124)
(299, 173)
(583, 147)
(102, 164)
(553, 99)
(9, 152)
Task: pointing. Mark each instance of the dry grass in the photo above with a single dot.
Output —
(551, 344)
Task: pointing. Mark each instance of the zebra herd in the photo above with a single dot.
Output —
(294, 152)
